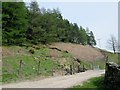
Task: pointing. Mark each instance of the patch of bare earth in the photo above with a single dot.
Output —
(54, 53)
(13, 51)
(79, 51)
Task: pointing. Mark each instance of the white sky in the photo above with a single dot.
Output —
(100, 16)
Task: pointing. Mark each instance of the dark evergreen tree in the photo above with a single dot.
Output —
(44, 26)
(82, 36)
(90, 38)
(14, 23)
(0, 23)
(34, 29)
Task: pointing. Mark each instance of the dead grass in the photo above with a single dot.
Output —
(13, 51)
(79, 51)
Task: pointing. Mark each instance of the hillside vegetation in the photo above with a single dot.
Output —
(41, 43)
(39, 25)
(45, 61)
(25, 39)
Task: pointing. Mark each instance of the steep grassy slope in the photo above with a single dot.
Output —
(112, 57)
(18, 63)
(29, 66)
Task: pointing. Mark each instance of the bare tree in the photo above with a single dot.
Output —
(112, 42)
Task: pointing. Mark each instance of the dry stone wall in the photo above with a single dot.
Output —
(112, 75)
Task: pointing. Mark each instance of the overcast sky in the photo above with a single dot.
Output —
(99, 17)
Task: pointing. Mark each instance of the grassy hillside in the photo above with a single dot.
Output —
(0, 35)
(29, 66)
(26, 62)
(111, 57)
(41, 63)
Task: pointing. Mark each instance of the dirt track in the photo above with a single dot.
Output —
(57, 82)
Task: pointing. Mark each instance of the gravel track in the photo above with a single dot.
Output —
(57, 82)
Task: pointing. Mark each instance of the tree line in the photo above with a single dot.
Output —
(30, 24)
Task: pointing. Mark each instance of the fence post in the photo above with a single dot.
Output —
(52, 72)
(83, 68)
(73, 68)
(70, 69)
(18, 71)
(78, 68)
(106, 58)
(38, 66)
(20, 66)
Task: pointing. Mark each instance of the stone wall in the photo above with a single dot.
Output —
(112, 75)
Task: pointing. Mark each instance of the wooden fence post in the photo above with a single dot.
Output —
(83, 68)
(70, 69)
(78, 68)
(52, 72)
(38, 66)
(106, 58)
(73, 68)
(18, 71)
(20, 67)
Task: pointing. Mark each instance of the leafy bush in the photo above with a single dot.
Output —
(32, 51)
(36, 47)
